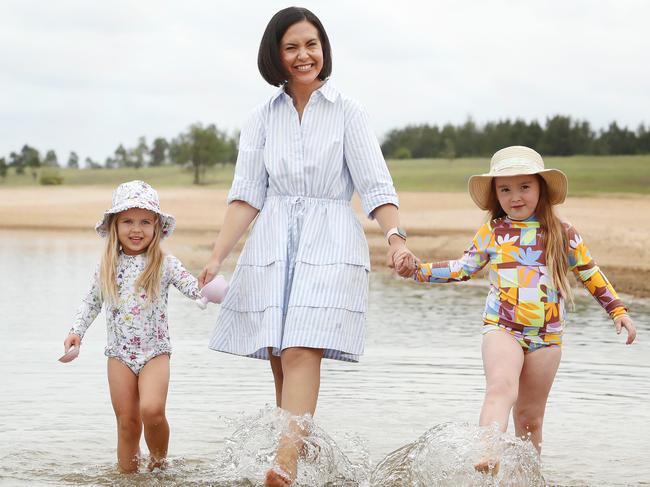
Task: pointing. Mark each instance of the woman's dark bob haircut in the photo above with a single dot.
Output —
(268, 58)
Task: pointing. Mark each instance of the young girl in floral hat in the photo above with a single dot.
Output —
(132, 281)
(529, 251)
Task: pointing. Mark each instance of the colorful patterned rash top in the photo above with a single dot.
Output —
(135, 327)
(522, 296)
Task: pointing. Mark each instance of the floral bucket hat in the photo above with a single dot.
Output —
(136, 194)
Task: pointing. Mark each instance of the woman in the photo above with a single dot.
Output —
(300, 288)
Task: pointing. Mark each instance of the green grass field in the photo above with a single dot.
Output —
(218, 176)
(588, 175)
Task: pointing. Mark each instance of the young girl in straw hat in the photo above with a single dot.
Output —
(529, 251)
(132, 279)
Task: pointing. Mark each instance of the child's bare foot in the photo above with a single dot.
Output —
(132, 466)
(154, 464)
(487, 465)
(286, 465)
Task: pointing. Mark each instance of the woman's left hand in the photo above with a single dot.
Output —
(406, 265)
(627, 323)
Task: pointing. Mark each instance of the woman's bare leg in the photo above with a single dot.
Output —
(300, 387)
(278, 377)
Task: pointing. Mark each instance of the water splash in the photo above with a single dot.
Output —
(250, 452)
(446, 454)
(443, 456)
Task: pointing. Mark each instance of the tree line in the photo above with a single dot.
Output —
(560, 136)
(198, 148)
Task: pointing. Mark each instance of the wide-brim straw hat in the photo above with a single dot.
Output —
(136, 194)
(517, 160)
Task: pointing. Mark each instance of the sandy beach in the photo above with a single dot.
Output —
(440, 225)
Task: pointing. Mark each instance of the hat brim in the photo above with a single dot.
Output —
(168, 221)
(480, 185)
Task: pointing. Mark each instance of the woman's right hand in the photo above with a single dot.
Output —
(208, 273)
(238, 217)
(71, 340)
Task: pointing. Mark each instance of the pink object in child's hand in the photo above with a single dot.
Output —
(70, 355)
(213, 292)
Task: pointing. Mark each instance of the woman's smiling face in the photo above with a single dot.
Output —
(301, 53)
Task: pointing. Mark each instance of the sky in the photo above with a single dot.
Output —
(88, 76)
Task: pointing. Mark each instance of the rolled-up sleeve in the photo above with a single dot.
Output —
(251, 179)
(366, 163)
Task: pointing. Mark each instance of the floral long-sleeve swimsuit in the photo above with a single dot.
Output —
(523, 300)
(137, 330)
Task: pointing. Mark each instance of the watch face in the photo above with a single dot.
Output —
(401, 232)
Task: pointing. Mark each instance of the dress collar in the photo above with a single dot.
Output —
(328, 91)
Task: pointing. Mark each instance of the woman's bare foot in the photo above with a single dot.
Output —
(276, 479)
(286, 465)
(487, 465)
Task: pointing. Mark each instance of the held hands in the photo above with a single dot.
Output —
(208, 273)
(405, 263)
(627, 323)
(400, 258)
(71, 340)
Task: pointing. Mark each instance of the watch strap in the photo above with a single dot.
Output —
(395, 231)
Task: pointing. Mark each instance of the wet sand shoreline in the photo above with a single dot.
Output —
(440, 225)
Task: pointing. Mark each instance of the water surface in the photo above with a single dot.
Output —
(421, 369)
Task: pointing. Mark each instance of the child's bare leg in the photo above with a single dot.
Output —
(278, 377)
(153, 384)
(503, 359)
(301, 383)
(535, 383)
(123, 385)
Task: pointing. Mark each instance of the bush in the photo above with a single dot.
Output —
(402, 153)
(51, 178)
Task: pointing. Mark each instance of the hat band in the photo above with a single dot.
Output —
(515, 163)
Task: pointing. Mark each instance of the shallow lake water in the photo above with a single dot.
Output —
(421, 377)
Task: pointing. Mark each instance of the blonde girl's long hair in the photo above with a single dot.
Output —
(149, 280)
(556, 241)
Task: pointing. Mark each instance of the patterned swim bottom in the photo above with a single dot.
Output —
(529, 340)
(137, 361)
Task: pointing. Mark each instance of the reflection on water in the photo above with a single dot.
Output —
(421, 370)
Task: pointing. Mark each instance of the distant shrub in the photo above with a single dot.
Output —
(403, 153)
(51, 177)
